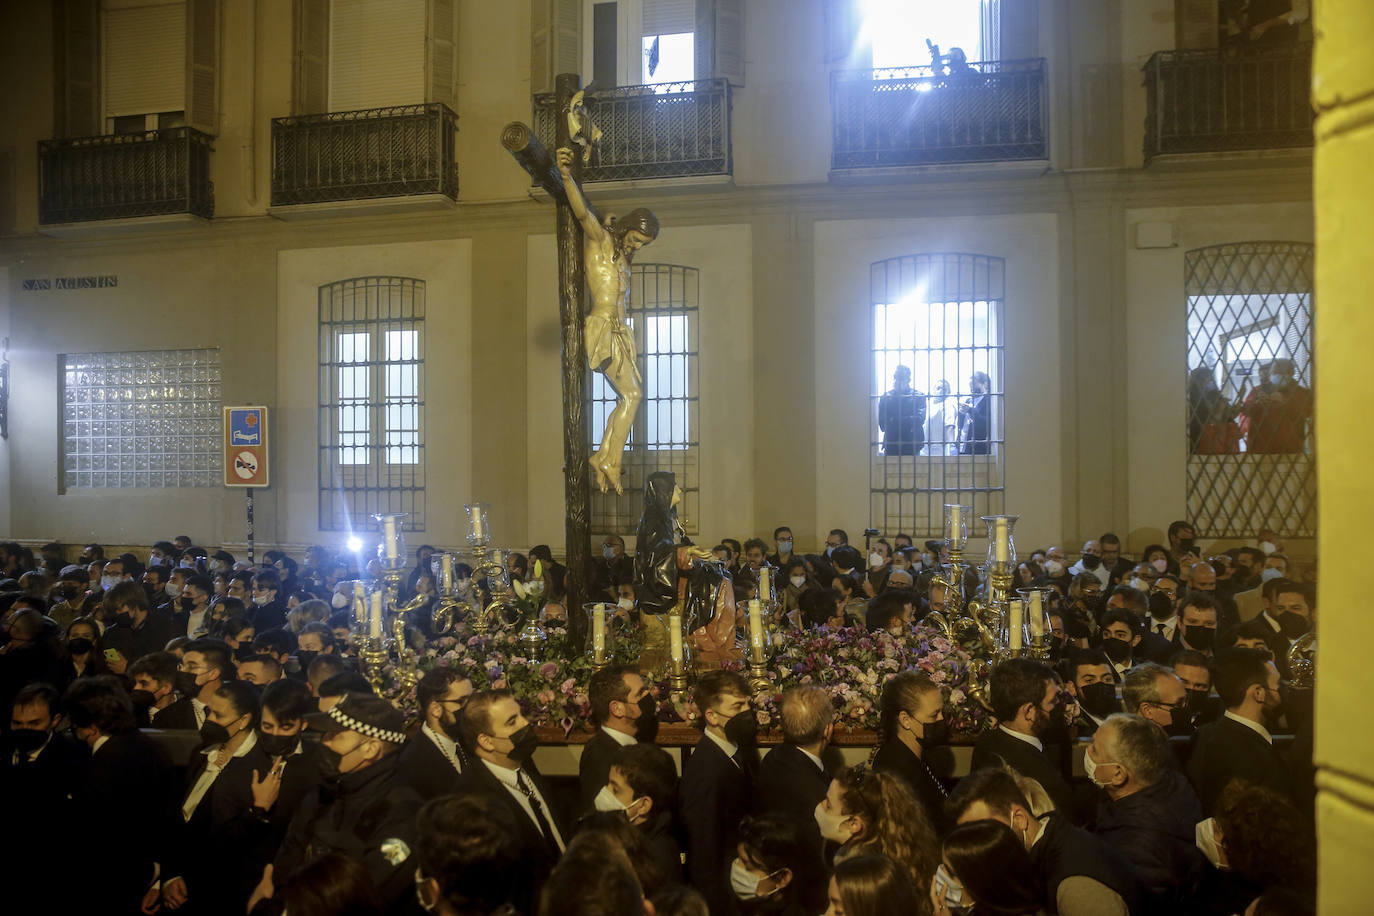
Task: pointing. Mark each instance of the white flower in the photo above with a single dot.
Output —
(519, 587)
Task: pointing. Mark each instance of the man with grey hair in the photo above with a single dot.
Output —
(793, 779)
(1154, 692)
(1150, 811)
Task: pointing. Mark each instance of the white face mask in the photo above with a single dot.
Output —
(1268, 547)
(188, 564)
(745, 883)
(1090, 769)
(949, 891)
(875, 560)
(1141, 584)
(172, 589)
(1161, 564)
(1273, 572)
(606, 801)
(1054, 568)
(927, 559)
(627, 603)
(108, 582)
(339, 601)
(1204, 835)
(262, 600)
(832, 825)
(784, 547)
(797, 581)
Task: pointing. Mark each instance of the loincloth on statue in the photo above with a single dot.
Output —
(610, 345)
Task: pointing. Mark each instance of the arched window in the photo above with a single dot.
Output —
(936, 413)
(1248, 394)
(372, 401)
(663, 316)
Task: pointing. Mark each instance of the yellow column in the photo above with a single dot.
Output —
(1343, 93)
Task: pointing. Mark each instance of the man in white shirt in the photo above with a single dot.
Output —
(616, 694)
(204, 666)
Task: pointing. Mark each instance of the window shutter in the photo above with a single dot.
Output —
(1195, 24)
(719, 40)
(555, 41)
(441, 59)
(78, 68)
(843, 21)
(1020, 30)
(376, 53)
(310, 94)
(145, 59)
(668, 17)
(202, 59)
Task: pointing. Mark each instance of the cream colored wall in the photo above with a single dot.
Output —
(1147, 26)
(844, 249)
(4, 444)
(446, 268)
(1156, 331)
(729, 420)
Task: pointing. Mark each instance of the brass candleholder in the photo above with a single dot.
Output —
(373, 656)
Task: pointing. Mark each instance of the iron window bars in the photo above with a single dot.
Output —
(372, 401)
(1250, 461)
(941, 317)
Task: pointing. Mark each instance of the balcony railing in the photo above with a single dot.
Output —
(996, 111)
(668, 130)
(356, 155)
(1217, 101)
(120, 176)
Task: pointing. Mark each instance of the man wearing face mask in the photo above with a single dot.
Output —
(1024, 695)
(618, 700)
(642, 782)
(1149, 813)
(362, 811)
(1293, 609)
(137, 630)
(503, 742)
(193, 607)
(205, 664)
(1197, 624)
(718, 782)
(154, 679)
(1275, 413)
(269, 609)
(1239, 744)
(292, 770)
(433, 758)
(1120, 640)
(1091, 562)
(129, 783)
(39, 766)
(1155, 693)
(201, 863)
(782, 542)
(614, 565)
(1080, 875)
(1092, 682)
(915, 735)
(1202, 580)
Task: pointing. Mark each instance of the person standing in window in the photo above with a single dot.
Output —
(902, 416)
(940, 420)
(976, 417)
(1276, 413)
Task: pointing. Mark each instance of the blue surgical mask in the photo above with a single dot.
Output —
(1270, 573)
(785, 546)
(950, 892)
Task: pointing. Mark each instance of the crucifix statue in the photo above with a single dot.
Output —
(594, 255)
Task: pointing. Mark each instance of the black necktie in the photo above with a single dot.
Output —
(1159, 628)
(538, 810)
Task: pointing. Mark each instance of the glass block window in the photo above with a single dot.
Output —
(142, 419)
(1248, 394)
(663, 317)
(371, 421)
(936, 397)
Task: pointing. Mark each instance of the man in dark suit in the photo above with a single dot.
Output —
(1150, 646)
(1091, 681)
(269, 610)
(205, 664)
(137, 630)
(975, 420)
(793, 779)
(718, 782)
(1194, 671)
(1238, 745)
(1024, 696)
(433, 758)
(503, 743)
(1080, 876)
(130, 782)
(615, 693)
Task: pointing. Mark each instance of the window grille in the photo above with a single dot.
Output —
(141, 419)
(372, 401)
(939, 316)
(663, 316)
(1250, 466)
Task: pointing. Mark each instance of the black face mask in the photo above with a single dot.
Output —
(244, 651)
(1161, 606)
(1186, 545)
(304, 659)
(1180, 721)
(1292, 625)
(1118, 650)
(211, 732)
(186, 604)
(26, 740)
(123, 619)
(525, 741)
(1057, 644)
(1198, 701)
(742, 729)
(1200, 637)
(80, 645)
(329, 761)
(936, 734)
(1091, 561)
(277, 745)
(186, 684)
(1099, 699)
(646, 726)
(142, 699)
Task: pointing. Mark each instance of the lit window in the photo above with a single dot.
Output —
(899, 29)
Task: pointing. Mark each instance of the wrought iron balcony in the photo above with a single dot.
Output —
(1212, 101)
(996, 111)
(120, 176)
(668, 130)
(357, 155)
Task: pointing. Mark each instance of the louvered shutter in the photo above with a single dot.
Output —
(78, 69)
(310, 93)
(202, 65)
(843, 20)
(1195, 23)
(1020, 30)
(668, 17)
(441, 58)
(146, 50)
(719, 40)
(555, 41)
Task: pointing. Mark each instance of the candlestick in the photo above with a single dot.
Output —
(375, 625)
(765, 584)
(756, 628)
(1000, 527)
(359, 603)
(1037, 618)
(675, 640)
(478, 529)
(389, 533)
(446, 572)
(1014, 625)
(955, 523)
(599, 635)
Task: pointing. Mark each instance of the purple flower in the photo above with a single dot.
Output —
(548, 670)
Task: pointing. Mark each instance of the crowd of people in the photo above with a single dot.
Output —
(295, 789)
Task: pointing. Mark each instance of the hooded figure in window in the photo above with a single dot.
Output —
(670, 572)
